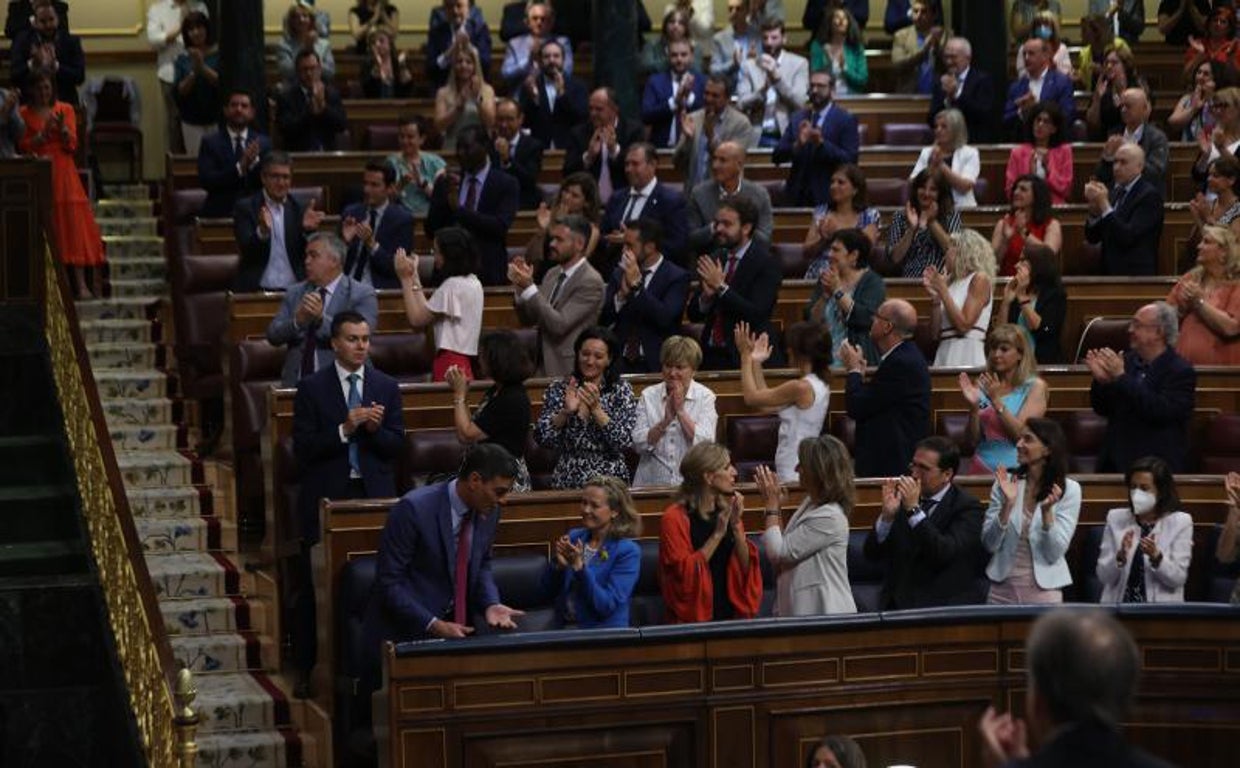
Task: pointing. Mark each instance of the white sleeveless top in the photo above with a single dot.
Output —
(968, 350)
(796, 424)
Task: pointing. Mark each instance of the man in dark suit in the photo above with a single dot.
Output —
(568, 300)
(347, 433)
(600, 144)
(479, 197)
(738, 282)
(270, 229)
(670, 95)
(228, 160)
(928, 533)
(47, 48)
(1147, 395)
(1134, 110)
(967, 89)
(1128, 218)
(892, 410)
(644, 198)
(374, 229)
(1081, 671)
(309, 111)
(1041, 82)
(517, 152)
(303, 322)
(453, 25)
(817, 140)
(552, 101)
(645, 298)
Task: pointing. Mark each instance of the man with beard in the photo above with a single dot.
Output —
(701, 131)
(228, 160)
(46, 48)
(553, 102)
(772, 85)
(644, 198)
(671, 94)
(818, 139)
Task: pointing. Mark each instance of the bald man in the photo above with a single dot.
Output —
(727, 170)
(1126, 219)
(892, 410)
(1134, 110)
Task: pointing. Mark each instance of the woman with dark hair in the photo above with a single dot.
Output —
(455, 308)
(594, 567)
(848, 292)
(588, 417)
(197, 81)
(1219, 42)
(416, 171)
(579, 196)
(1028, 220)
(1222, 207)
(921, 233)
(503, 416)
(51, 132)
(1032, 516)
(1045, 153)
(837, 47)
(836, 752)
(1119, 73)
(800, 403)
(810, 553)
(1228, 548)
(653, 56)
(1147, 546)
(1004, 397)
(1034, 300)
(1194, 113)
(846, 210)
(369, 15)
(385, 72)
(708, 569)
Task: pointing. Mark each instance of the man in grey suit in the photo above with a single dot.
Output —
(304, 321)
(728, 181)
(735, 43)
(569, 299)
(704, 129)
(772, 86)
(1134, 110)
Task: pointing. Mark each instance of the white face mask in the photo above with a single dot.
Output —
(1142, 501)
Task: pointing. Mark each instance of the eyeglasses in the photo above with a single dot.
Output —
(885, 319)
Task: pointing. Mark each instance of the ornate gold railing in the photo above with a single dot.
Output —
(159, 695)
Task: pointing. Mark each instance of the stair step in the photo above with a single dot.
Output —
(230, 702)
(134, 191)
(117, 308)
(245, 749)
(122, 248)
(136, 412)
(122, 384)
(138, 267)
(155, 469)
(231, 652)
(115, 331)
(144, 437)
(141, 226)
(114, 208)
(204, 616)
(162, 535)
(129, 288)
(132, 356)
(192, 574)
(164, 502)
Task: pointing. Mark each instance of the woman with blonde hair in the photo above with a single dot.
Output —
(300, 32)
(1208, 300)
(594, 567)
(673, 415)
(1004, 397)
(1224, 140)
(466, 99)
(958, 163)
(962, 297)
(708, 569)
(810, 554)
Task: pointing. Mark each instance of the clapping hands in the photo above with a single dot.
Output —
(1105, 364)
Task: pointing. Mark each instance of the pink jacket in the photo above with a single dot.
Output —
(1058, 170)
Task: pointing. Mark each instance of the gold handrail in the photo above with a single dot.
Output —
(166, 723)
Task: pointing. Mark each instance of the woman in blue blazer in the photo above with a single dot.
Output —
(594, 568)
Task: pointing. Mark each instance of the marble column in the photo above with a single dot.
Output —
(243, 54)
(615, 51)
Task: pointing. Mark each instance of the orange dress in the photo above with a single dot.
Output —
(76, 233)
(1200, 345)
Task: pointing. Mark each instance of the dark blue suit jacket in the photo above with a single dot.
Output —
(303, 131)
(809, 179)
(892, 411)
(555, 126)
(254, 251)
(601, 591)
(665, 205)
(655, 111)
(417, 564)
(439, 36)
(323, 461)
(976, 103)
(752, 297)
(217, 172)
(1056, 87)
(1146, 415)
(1130, 235)
(652, 314)
(69, 55)
(497, 207)
(395, 231)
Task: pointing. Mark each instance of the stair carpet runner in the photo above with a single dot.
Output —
(190, 551)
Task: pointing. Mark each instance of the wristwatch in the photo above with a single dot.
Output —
(838, 295)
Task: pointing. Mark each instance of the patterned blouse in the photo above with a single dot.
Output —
(924, 251)
(585, 448)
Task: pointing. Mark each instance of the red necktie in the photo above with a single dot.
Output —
(471, 194)
(464, 542)
(716, 328)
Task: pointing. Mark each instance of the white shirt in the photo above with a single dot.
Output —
(278, 274)
(161, 18)
(660, 463)
(633, 209)
(1035, 85)
(883, 527)
(459, 300)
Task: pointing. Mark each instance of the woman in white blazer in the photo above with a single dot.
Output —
(951, 154)
(1031, 519)
(810, 553)
(1146, 548)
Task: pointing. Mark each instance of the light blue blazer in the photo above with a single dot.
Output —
(1050, 569)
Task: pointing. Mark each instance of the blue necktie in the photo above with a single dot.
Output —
(355, 400)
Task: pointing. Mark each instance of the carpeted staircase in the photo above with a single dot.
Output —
(217, 625)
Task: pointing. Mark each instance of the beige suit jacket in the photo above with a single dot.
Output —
(576, 308)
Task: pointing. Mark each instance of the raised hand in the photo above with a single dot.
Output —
(769, 487)
(891, 498)
(577, 555)
(563, 552)
(457, 381)
(911, 216)
(988, 383)
(1052, 498)
(1004, 738)
(761, 351)
(572, 398)
(972, 393)
(309, 309)
(1232, 484)
(1007, 485)
(1125, 546)
(829, 279)
(711, 274)
(406, 265)
(313, 217)
(743, 338)
(935, 283)
(348, 229)
(930, 213)
(1150, 547)
(520, 274)
(632, 272)
(851, 357)
(676, 396)
(264, 221)
(374, 417)
(543, 216)
(909, 489)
